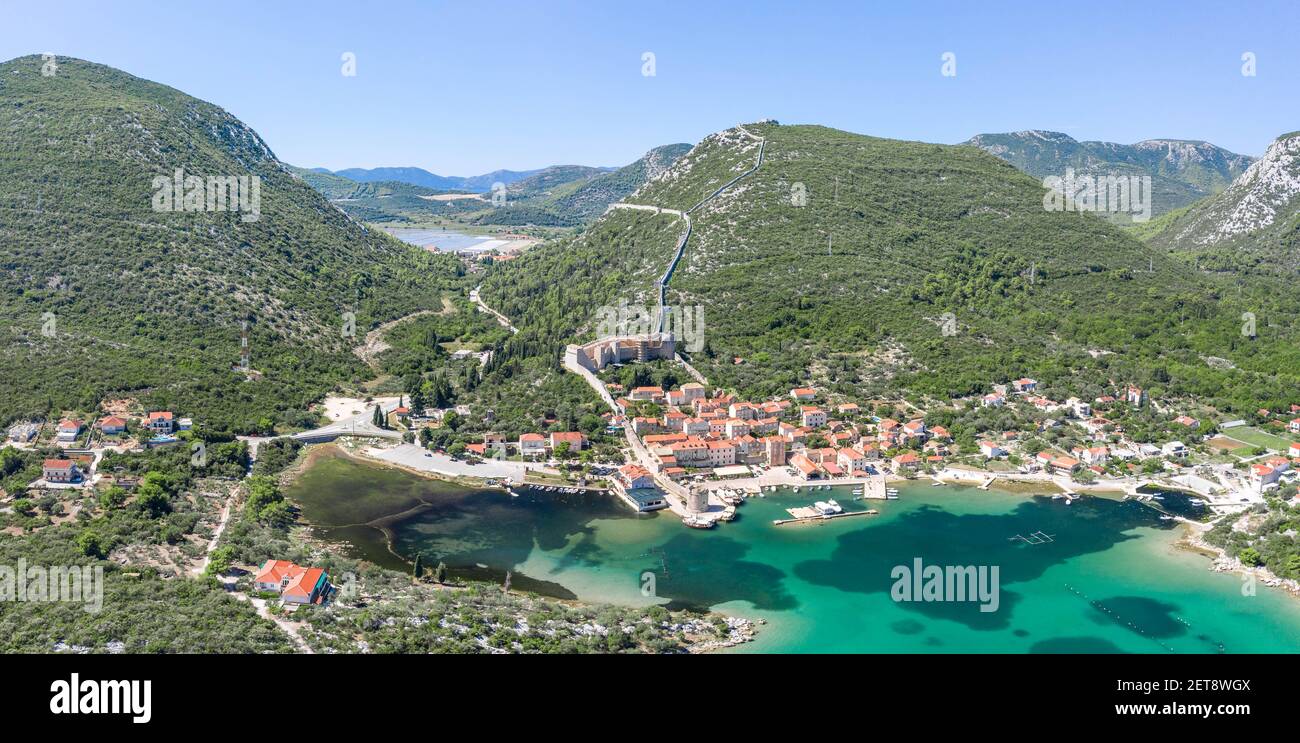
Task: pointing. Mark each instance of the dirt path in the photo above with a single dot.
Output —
(374, 343)
(285, 625)
(216, 535)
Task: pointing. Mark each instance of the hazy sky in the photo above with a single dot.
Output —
(462, 88)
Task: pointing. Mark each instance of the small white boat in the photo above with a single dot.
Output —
(796, 488)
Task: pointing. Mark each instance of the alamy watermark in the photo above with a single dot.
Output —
(102, 697)
(81, 584)
(968, 583)
(1103, 193)
(214, 193)
(685, 322)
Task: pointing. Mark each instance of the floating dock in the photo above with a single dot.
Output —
(820, 517)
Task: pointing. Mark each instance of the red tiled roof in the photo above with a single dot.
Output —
(304, 583)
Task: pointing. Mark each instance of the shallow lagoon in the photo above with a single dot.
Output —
(1110, 580)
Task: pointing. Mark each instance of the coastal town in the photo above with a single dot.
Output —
(700, 451)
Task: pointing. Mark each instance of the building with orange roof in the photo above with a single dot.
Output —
(805, 467)
(294, 584)
(575, 439)
(532, 445)
(160, 421)
(63, 471)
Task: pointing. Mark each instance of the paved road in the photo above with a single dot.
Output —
(418, 458)
(358, 425)
(476, 299)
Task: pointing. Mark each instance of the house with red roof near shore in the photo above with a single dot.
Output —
(1268, 472)
(906, 460)
(807, 469)
(112, 424)
(575, 439)
(295, 584)
(1092, 454)
(532, 445)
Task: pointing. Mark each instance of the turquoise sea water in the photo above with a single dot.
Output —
(1110, 580)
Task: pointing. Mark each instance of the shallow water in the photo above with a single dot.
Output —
(1109, 579)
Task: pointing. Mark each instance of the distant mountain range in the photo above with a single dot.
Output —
(1181, 171)
(560, 195)
(421, 177)
(1254, 224)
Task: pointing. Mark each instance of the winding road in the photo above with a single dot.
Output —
(478, 301)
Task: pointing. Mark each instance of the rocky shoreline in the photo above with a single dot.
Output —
(1193, 539)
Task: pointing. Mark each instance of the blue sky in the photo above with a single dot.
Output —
(461, 88)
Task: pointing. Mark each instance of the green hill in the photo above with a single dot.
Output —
(142, 299)
(850, 291)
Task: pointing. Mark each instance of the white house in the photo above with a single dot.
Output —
(532, 445)
(69, 430)
(851, 460)
(991, 449)
(812, 417)
(160, 421)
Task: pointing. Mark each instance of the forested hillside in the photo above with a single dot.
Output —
(106, 290)
(852, 289)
